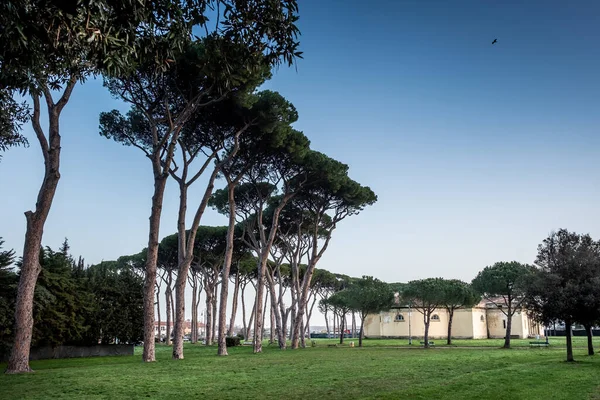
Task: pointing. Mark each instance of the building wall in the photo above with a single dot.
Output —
(475, 323)
(479, 321)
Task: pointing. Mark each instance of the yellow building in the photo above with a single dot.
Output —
(485, 320)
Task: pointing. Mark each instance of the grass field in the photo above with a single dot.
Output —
(376, 371)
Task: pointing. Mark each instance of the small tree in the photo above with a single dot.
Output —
(505, 281)
(342, 304)
(457, 294)
(368, 296)
(426, 296)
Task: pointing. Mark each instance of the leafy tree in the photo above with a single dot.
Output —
(318, 210)
(503, 284)
(566, 284)
(426, 296)
(118, 299)
(457, 294)
(62, 308)
(341, 303)
(368, 296)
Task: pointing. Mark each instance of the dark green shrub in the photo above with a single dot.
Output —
(232, 341)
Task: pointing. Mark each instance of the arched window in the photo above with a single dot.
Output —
(399, 318)
(482, 318)
(435, 317)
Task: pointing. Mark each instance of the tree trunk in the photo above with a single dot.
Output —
(569, 342)
(342, 328)
(209, 320)
(277, 322)
(450, 317)
(273, 329)
(508, 328)
(251, 321)
(590, 336)
(222, 350)
(169, 310)
(30, 266)
(193, 337)
(303, 299)
(334, 323)
(326, 324)
(234, 305)
(160, 181)
(362, 331)
(258, 322)
(158, 310)
(214, 314)
(244, 326)
(353, 324)
(426, 321)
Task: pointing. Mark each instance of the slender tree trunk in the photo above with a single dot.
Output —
(353, 324)
(234, 305)
(450, 317)
(185, 244)
(590, 336)
(272, 322)
(326, 323)
(30, 266)
(214, 314)
(258, 322)
(196, 307)
(302, 304)
(342, 328)
(334, 323)
(264, 315)
(222, 350)
(508, 328)
(158, 311)
(426, 321)
(169, 310)
(194, 316)
(245, 327)
(277, 322)
(252, 315)
(309, 315)
(361, 334)
(569, 341)
(209, 319)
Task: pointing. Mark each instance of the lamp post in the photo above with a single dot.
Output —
(409, 327)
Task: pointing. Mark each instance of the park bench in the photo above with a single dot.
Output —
(247, 343)
(539, 344)
(430, 343)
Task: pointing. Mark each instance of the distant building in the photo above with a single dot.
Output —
(187, 328)
(485, 320)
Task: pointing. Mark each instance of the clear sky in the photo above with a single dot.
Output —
(476, 151)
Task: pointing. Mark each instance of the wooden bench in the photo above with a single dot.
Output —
(247, 344)
(539, 344)
(430, 343)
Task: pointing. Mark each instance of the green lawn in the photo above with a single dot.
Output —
(317, 372)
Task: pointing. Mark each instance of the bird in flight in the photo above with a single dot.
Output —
(495, 40)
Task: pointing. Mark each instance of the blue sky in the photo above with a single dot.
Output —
(476, 151)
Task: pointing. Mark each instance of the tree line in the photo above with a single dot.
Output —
(73, 304)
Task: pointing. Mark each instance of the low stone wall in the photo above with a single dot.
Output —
(100, 350)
